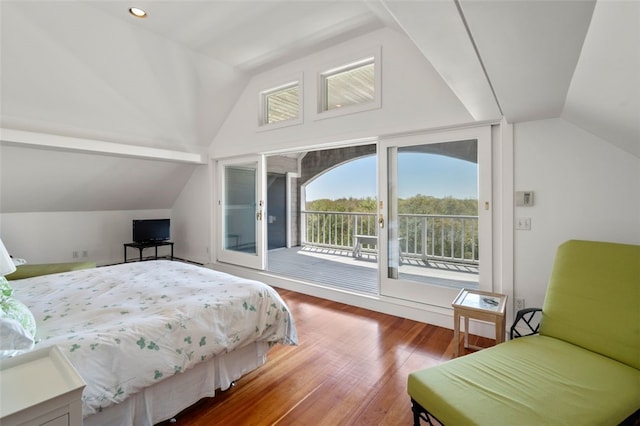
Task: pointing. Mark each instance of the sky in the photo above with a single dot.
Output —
(425, 174)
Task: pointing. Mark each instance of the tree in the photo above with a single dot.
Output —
(418, 204)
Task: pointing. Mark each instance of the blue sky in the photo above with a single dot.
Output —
(425, 174)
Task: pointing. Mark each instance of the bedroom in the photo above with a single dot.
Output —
(573, 121)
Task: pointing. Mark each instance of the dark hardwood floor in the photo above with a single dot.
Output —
(350, 368)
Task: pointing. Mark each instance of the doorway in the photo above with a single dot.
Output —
(403, 238)
(276, 210)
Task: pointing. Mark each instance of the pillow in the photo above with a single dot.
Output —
(17, 324)
(18, 311)
(14, 339)
(5, 289)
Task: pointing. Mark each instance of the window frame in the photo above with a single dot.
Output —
(370, 56)
(284, 84)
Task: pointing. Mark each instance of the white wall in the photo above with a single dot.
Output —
(52, 237)
(64, 76)
(54, 203)
(414, 96)
(191, 221)
(39, 180)
(105, 78)
(585, 188)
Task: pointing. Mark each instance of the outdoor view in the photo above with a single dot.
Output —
(435, 191)
(433, 223)
(411, 210)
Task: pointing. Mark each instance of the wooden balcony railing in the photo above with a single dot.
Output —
(427, 237)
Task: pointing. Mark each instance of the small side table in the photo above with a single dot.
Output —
(142, 246)
(40, 388)
(480, 305)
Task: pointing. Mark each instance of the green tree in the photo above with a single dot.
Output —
(418, 204)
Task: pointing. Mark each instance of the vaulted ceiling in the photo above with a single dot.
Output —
(521, 59)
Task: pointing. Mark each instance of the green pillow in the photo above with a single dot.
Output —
(5, 289)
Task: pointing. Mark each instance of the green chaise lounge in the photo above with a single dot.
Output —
(583, 368)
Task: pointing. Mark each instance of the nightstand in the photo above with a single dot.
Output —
(480, 305)
(40, 388)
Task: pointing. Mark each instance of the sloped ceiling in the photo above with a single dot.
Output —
(89, 70)
(55, 180)
(530, 56)
(68, 68)
(252, 35)
(604, 94)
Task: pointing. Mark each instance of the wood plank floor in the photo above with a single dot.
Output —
(350, 368)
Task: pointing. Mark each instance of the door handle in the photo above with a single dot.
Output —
(381, 221)
(259, 215)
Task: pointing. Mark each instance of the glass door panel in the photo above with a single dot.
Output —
(437, 188)
(333, 195)
(241, 213)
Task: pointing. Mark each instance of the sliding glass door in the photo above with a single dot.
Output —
(241, 209)
(435, 215)
(424, 237)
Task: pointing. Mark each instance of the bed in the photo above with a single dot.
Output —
(152, 338)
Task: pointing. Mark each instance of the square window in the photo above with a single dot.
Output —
(280, 104)
(352, 84)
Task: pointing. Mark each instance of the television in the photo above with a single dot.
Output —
(151, 230)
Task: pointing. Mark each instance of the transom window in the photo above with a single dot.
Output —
(280, 104)
(351, 84)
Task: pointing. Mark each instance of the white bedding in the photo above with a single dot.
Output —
(127, 327)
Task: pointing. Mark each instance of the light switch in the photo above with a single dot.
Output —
(523, 223)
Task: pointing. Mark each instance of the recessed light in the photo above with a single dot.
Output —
(137, 12)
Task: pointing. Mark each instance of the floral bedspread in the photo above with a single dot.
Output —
(128, 326)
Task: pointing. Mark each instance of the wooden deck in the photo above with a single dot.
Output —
(340, 269)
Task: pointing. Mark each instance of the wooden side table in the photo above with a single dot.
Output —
(480, 305)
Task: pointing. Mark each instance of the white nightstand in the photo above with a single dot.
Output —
(40, 388)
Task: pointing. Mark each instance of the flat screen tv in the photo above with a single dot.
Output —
(151, 230)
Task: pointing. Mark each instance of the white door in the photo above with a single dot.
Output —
(435, 215)
(241, 207)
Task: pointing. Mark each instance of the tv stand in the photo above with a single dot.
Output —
(142, 246)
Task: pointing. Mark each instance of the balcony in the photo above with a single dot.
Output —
(434, 249)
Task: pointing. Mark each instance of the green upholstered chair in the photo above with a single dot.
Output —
(582, 368)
